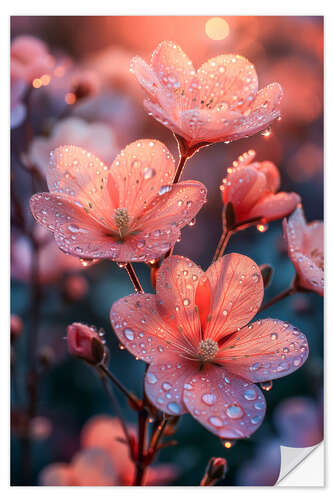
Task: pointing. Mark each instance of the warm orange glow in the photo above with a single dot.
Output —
(70, 98)
(37, 83)
(267, 133)
(45, 79)
(227, 444)
(217, 28)
(262, 227)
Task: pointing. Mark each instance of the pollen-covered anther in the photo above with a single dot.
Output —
(121, 219)
(207, 350)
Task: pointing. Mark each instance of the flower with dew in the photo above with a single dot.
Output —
(204, 357)
(251, 187)
(218, 102)
(129, 211)
(102, 443)
(96, 137)
(29, 58)
(306, 250)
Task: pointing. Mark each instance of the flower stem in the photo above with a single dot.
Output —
(135, 402)
(225, 237)
(115, 405)
(286, 293)
(133, 277)
(180, 167)
(142, 432)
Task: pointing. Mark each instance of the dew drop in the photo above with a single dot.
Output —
(250, 394)
(216, 421)
(151, 378)
(234, 411)
(209, 399)
(266, 386)
(174, 407)
(148, 173)
(129, 334)
(166, 386)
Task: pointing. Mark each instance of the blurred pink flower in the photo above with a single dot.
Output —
(251, 188)
(299, 421)
(29, 58)
(103, 460)
(52, 262)
(203, 358)
(306, 250)
(96, 137)
(219, 102)
(130, 211)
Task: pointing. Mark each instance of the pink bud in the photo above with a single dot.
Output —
(85, 343)
(216, 470)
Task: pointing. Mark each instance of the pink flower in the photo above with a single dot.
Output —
(130, 211)
(29, 58)
(85, 343)
(95, 137)
(306, 250)
(103, 460)
(251, 187)
(203, 358)
(219, 102)
(104, 432)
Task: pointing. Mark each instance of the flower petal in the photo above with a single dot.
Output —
(57, 474)
(294, 229)
(272, 174)
(139, 328)
(175, 206)
(93, 467)
(263, 111)
(244, 187)
(264, 350)
(275, 206)
(176, 284)
(237, 292)
(177, 76)
(145, 75)
(226, 405)
(83, 177)
(76, 233)
(138, 173)
(164, 382)
(227, 80)
(310, 275)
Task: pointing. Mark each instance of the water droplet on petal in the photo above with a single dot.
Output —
(216, 421)
(209, 399)
(250, 394)
(234, 411)
(174, 407)
(151, 378)
(129, 334)
(266, 386)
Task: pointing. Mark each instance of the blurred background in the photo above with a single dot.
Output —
(89, 98)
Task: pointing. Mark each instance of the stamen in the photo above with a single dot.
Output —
(207, 350)
(121, 219)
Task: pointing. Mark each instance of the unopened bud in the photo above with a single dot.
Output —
(85, 343)
(267, 274)
(216, 470)
(16, 326)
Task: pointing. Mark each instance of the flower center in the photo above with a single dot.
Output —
(207, 350)
(121, 219)
(318, 257)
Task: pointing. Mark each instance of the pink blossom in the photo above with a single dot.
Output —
(130, 211)
(306, 250)
(85, 343)
(252, 187)
(219, 102)
(103, 460)
(204, 358)
(29, 58)
(95, 137)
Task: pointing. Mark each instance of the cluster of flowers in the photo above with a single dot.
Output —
(205, 357)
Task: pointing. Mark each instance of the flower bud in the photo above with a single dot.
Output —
(85, 343)
(216, 470)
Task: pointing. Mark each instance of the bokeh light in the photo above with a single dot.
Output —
(217, 28)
